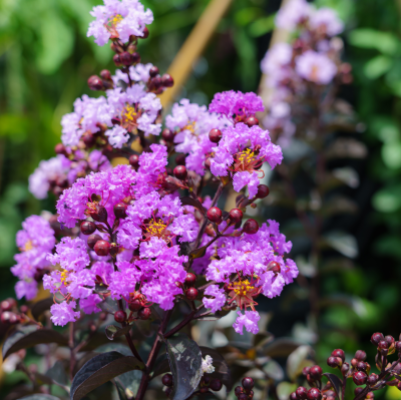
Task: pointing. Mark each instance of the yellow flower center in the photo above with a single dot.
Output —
(64, 276)
(190, 127)
(242, 288)
(130, 114)
(28, 246)
(113, 22)
(156, 228)
(246, 156)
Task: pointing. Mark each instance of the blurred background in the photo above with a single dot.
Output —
(46, 59)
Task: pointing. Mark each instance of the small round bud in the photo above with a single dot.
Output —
(134, 161)
(120, 316)
(168, 135)
(216, 385)
(180, 172)
(60, 149)
(190, 279)
(390, 340)
(135, 305)
(372, 379)
(105, 74)
(274, 266)
(383, 345)
(238, 390)
(88, 227)
(145, 33)
(95, 83)
(136, 57)
(251, 226)
(251, 121)
(263, 191)
(92, 240)
(99, 213)
(293, 396)
(8, 304)
(145, 313)
(338, 353)
(117, 60)
(236, 215)
(89, 139)
(306, 371)
(334, 362)
(215, 135)
(120, 210)
(180, 159)
(154, 71)
(398, 346)
(345, 368)
(358, 391)
(360, 378)
(167, 80)
(191, 293)
(314, 394)
(361, 366)
(168, 392)
(301, 393)
(102, 248)
(316, 372)
(214, 214)
(248, 383)
(126, 58)
(376, 338)
(167, 380)
(360, 355)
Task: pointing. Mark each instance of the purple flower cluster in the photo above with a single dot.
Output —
(35, 241)
(290, 69)
(119, 20)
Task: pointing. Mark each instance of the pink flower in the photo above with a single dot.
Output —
(315, 67)
(63, 313)
(219, 300)
(249, 321)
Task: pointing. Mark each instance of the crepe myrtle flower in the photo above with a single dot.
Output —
(249, 265)
(316, 67)
(119, 20)
(294, 13)
(241, 153)
(133, 109)
(35, 241)
(325, 20)
(236, 105)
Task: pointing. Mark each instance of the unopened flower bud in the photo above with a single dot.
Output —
(306, 371)
(236, 215)
(120, 316)
(345, 368)
(117, 60)
(191, 293)
(251, 226)
(145, 313)
(190, 279)
(98, 213)
(314, 394)
(358, 391)
(216, 385)
(372, 379)
(134, 161)
(120, 210)
(102, 248)
(136, 58)
(293, 396)
(248, 383)
(215, 135)
(88, 227)
(180, 172)
(168, 135)
(376, 338)
(167, 80)
(92, 240)
(334, 362)
(167, 380)
(154, 71)
(145, 33)
(360, 378)
(263, 191)
(251, 121)
(60, 149)
(105, 74)
(338, 353)
(360, 355)
(126, 58)
(301, 393)
(95, 83)
(316, 372)
(214, 214)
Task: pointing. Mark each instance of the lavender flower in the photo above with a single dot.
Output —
(293, 14)
(316, 67)
(119, 19)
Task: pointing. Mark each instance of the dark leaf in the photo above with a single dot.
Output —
(336, 382)
(280, 348)
(119, 347)
(57, 373)
(41, 306)
(297, 360)
(101, 369)
(189, 201)
(162, 366)
(185, 360)
(346, 148)
(113, 331)
(29, 336)
(197, 253)
(39, 396)
(222, 371)
(43, 379)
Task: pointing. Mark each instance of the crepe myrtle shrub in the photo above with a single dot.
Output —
(357, 370)
(136, 252)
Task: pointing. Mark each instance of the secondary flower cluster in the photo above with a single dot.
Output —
(144, 233)
(311, 61)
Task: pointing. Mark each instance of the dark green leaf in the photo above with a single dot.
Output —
(57, 373)
(101, 369)
(336, 382)
(42, 379)
(113, 331)
(29, 336)
(162, 366)
(41, 306)
(185, 360)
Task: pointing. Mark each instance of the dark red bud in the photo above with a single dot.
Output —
(60, 149)
(135, 305)
(251, 226)
(117, 60)
(293, 396)
(215, 135)
(236, 215)
(88, 227)
(136, 58)
(334, 362)
(376, 338)
(102, 248)
(167, 80)
(263, 191)
(120, 316)
(360, 355)
(105, 74)
(314, 394)
(214, 214)
(275, 267)
(251, 121)
(238, 390)
(190, 279)
(216, 385)
(316, 372)
(134, 161)
(168, 135)
(145, 33)
(95, 83)
(180, 172)
(191, 293)
(89, 139)
(120, 210)
(167, 380)
(372, 379)
(338, 353)
(180, 159)
(301, 393)
(145, 313)
(126, 58)
(306, 371)
(383, 345)
(154, 71)
(248, 383)
(99, 214)
(92, 240)
(360, 378)
(361, 366)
